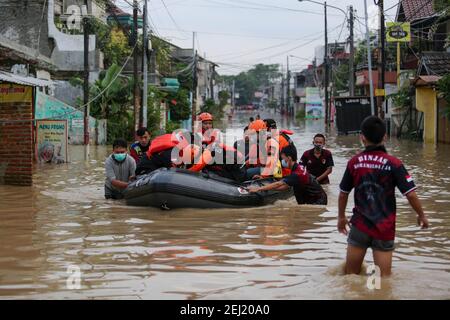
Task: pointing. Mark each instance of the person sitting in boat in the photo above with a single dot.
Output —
(263, 157)
(120, 170)
(216, 156)
(141, 146)
(306, 188)
(282, 136)
(168, 151)
(243, 145)
(250, 120)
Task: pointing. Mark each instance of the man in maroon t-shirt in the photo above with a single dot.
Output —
(306, 188)
(374, 174)
(318, 161)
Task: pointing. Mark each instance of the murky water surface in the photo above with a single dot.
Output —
(283, 251)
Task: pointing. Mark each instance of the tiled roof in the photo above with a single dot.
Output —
(417, 9)
(434, 63)
(425, 80)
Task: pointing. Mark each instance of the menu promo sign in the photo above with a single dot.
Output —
(314, 106)
(51, 141)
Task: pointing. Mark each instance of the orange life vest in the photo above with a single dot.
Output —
(164, 142)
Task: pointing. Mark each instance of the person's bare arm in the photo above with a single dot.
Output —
(342, 219)
(279, 185)
(414, 201)
(119, 184)
(325, 174)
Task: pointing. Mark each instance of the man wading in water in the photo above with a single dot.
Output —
(306, 188)
(374, 174)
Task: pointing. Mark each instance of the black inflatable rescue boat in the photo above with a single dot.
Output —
(179, 188)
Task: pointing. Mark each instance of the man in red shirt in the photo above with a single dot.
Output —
(141, 146)
(306, 189)
(318, 161)
(374, 174)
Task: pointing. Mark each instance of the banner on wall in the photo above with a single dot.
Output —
(11, 92)
(314, 105)
(51, 141)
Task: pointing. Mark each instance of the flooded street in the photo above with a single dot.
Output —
(283, 251)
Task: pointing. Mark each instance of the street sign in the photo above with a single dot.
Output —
(398, 32)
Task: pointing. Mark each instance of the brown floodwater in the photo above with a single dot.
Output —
(284, 251)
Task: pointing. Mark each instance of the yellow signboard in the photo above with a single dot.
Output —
(379, 92)
(10, 92)
(398, 32)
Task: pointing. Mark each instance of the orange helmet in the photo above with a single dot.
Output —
(205, 116)
(257, 125)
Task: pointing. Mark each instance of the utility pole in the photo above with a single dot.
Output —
(288, 87)
(233, 103)
(86, 80)
(352, 56)
(143, 120)
(381, 60)
(283, 102)
(135, 66)
(194, 82)
(369, 59)
(325, 61)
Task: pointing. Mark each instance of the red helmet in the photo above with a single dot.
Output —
(205, 116)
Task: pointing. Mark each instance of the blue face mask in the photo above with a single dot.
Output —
(284, 164)
(119, 156)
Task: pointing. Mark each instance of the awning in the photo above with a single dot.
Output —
(27, 81)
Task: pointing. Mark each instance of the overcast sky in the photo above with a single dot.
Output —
(240, 33)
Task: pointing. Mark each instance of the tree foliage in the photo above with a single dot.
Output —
(179, 104)
(443, 87)
(117, 48)
(247, 83)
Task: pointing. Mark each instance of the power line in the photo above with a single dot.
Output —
(278, 7)
(245, 53)
(171, 17)
(258, 7)
(233, 34)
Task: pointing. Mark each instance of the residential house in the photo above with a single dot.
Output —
(428, 53)
(302, 80)
(432, 66)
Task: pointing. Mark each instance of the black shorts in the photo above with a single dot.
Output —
(360, 239)
(320, 199)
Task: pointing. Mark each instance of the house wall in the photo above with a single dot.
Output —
(426, 102)
(16, 137)
(26, 25)
(443, 123)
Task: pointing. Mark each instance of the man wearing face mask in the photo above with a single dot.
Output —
(306, 188)
(119, 169)
(318, 161)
